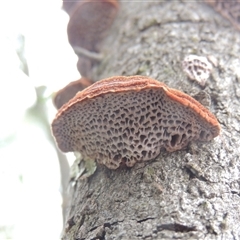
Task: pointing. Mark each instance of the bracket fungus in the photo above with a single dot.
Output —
(88, 25)
(89, 22)
(65, 94)
(68, 6)
(197, 68)
(124, 120)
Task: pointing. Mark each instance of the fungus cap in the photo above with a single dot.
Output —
(68, 6)
(124, 120)
(65, 94)
(89, 22)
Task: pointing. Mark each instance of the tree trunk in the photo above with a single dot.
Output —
(189, 194)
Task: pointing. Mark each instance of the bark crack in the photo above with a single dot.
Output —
(176, 227)
(145, 219)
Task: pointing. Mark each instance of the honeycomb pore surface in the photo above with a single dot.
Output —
(127, 127)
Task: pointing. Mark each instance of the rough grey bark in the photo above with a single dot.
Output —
(189, 194)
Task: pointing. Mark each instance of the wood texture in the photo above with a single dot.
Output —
(190, 194)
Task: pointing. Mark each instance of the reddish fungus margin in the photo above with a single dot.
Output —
(124, 120)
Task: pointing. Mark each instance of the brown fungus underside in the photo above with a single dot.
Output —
(124, 120)
(69, 91)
